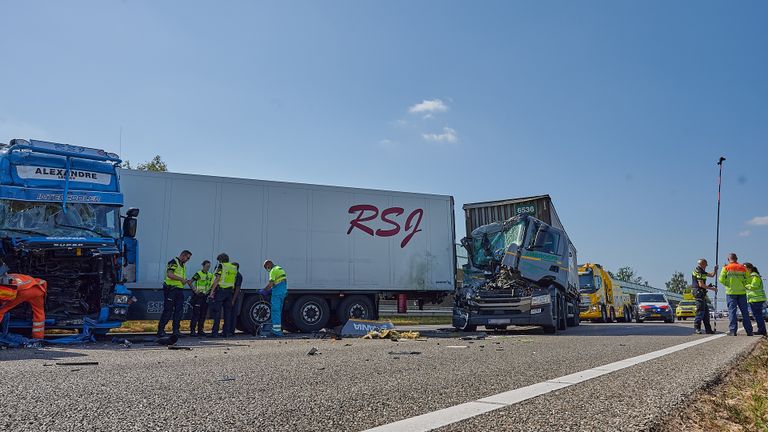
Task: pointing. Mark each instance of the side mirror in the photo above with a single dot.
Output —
(130, 225)
(132, 212)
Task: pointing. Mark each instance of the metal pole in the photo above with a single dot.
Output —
(717, 238)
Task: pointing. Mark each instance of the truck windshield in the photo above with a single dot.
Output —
(587, 282)
(49, 219)
(651, 298)
(489, 243)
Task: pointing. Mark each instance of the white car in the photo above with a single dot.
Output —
(654, 306)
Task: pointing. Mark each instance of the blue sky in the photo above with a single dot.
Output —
(619, 110)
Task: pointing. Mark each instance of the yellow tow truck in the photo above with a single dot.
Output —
(687, 307)
(602, 300)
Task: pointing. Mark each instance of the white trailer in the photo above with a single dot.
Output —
(342, 248)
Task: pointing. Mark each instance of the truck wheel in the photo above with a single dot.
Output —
(574, 321)
(255, 312)
(356, 306)
(612, 317)
(310, 313)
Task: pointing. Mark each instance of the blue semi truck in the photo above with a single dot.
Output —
(61, 221)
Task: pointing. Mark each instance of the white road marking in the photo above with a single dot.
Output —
(456, 413)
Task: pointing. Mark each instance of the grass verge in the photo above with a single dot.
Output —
(738, 403)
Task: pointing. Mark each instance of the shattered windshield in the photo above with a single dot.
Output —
(587, 282)
(49, 219)
(489, 243)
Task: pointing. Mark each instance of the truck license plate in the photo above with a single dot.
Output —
(498, 321)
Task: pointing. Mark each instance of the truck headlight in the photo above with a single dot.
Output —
(119, 311)
(121, 299)
(540, 300)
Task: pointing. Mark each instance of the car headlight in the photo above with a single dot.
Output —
(540, 300)
(119, 311)
(121, 299)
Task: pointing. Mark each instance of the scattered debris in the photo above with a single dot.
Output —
(348, 344)
(313, 351)
(474, 337)
(357, 327)
(404, 353)
(227, 379)
(393, 335)
(456, 346)
(83, 363)
(179, 348)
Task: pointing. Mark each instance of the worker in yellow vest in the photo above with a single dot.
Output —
(201, 286)
(734, 277)
(278, 287)
(756, 297)
(173, 293)
(222, 296)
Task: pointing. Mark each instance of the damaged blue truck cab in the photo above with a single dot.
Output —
(521, 271)
(60, 221)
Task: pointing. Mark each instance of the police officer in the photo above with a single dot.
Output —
(237, 300)
(700, 288)
(734, 277)
(278, 285)
(756, 297)
(201, 286)
(221, 295)
(173, 293)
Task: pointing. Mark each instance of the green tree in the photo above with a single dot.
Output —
(677, 284)
(627, 274)
(156, 164)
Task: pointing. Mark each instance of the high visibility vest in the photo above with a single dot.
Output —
(276, 275)
(178, 270)
(734, 277)
(204, 281)
(755, 291)
(228, 275)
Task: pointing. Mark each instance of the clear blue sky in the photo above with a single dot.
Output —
(619, 110)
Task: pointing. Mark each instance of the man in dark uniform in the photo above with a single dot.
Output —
(700, 289)
(173, 293)
(237, 301)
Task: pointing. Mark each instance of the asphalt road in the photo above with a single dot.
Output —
(352, 384)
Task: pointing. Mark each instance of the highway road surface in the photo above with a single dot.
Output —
(595, 377)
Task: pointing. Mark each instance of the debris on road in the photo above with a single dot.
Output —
(358, 327)
(474, 337)
(313, 351)
(404, 353)
(227, 379)
(82, 363)
(457, 346)
(392, 335)
(180, 348)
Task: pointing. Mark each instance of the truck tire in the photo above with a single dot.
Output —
(575, 320)
(310, 313)
(603, 314)
(612, 316)
(255, 312)
(356, 306)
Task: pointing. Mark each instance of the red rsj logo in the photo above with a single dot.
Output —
(367, 213)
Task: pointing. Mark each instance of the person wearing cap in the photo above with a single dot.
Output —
(700, 289)
(278, 287)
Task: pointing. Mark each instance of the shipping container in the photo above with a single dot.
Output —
(342, 248)
(484, 213)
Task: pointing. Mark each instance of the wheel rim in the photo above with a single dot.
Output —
(261, 313)
(358, 311)
(311, 313)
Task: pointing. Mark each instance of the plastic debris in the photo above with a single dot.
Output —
(180, 348)
(313, 351)
(404, 353)
(83, 363)
(456, 346)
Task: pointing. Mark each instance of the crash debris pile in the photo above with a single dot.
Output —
(392, 335)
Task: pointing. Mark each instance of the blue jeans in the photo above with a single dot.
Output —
(702, 315)
(740, 301)
(757, 312)
(279, 292)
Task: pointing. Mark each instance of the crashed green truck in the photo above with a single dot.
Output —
(522, 268)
